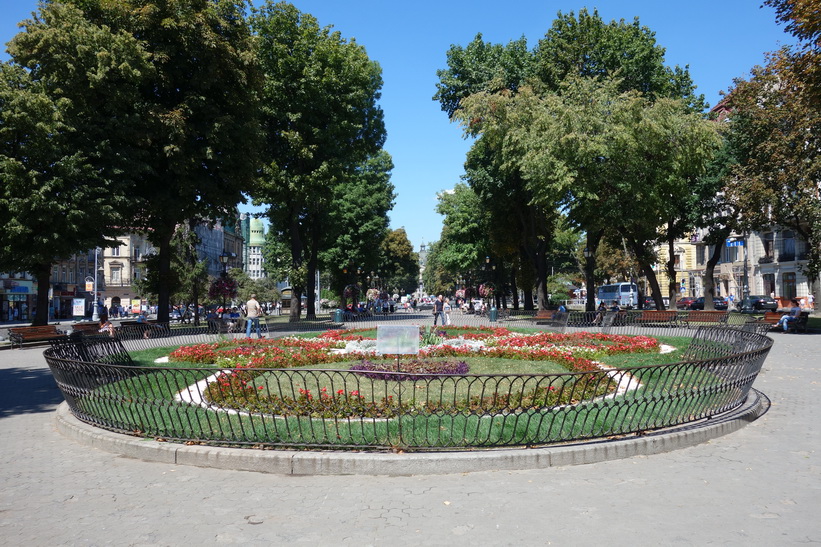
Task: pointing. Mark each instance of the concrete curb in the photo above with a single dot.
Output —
(292, 462)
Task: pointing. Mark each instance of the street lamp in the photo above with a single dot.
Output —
(95, 311)
(224, 258)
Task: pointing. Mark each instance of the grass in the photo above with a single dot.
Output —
(144, 404)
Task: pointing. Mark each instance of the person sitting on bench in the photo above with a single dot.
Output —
(795, 313)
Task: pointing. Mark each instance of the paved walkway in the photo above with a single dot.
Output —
(760, 485)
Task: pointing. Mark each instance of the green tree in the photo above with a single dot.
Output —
(776, 133)
(399, 264)
(321, 121)
(357, 223)
(436, 279)
(187, 281)
(61, 190)
(574, 47)
(190, 121)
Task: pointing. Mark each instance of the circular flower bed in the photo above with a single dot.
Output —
(240, 361)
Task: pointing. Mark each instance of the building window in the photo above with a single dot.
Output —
(788, 286)
(730, 254)
(787, 246)
(116, 275)
(115, 251)
(769, 249)
(701, 255)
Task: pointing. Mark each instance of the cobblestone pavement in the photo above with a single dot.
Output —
(758, 486)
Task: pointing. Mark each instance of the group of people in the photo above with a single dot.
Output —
(602, 310)
(441, 310)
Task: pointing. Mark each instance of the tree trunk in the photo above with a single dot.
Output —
(296, 262)
(671, 269)
(590, 269)
(514, 288)
(709, 274)
(164, 275)
(42, 274)
(645, 261)
(540, 257)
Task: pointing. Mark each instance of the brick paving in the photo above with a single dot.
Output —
(760, 485)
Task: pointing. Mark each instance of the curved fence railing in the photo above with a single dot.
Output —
(630, 322)
(316, 407)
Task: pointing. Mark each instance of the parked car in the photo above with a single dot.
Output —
(757, 302)
(648, 303)
(698, 304)
(684, 302)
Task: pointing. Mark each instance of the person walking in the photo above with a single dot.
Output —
(252, 311)
(438, 310)
(446, 310)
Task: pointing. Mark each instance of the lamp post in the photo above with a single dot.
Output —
(224, 257)
(95, 311)
(746, 289)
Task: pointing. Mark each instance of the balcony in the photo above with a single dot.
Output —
(786, 257)
(766, 260)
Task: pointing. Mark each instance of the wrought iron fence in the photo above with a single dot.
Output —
(334, 408)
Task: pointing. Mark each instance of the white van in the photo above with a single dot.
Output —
(626, 294)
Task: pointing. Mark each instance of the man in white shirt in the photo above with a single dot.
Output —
(252, 311)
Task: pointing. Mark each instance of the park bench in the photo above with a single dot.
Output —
(707, 316)
(657, 318)
(799, 325)
(771, 317)
(553, 319)
(220, 326)
(84, 329)
(19, 335)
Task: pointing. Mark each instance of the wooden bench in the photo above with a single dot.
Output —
(771, 317)
(707, 316)
(85, 328)
(553, 319)
(41, 333)
(799, 325)
(655, 318)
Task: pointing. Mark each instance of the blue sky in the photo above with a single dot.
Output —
(719, 41)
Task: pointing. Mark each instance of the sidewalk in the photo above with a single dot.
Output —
(760, 485)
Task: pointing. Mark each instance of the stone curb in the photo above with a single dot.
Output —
(292, 462)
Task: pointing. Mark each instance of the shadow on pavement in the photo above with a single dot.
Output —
(27, 391)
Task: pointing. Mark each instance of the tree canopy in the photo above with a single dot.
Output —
(321, 122)
(162, 100)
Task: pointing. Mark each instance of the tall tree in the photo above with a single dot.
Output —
(321, 120)
(357, 222)
(190, 122)
(399, 264)
(582, 46)
(64, 97)
(775, 129)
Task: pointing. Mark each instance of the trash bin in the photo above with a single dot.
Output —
(494, 314)
(337, 316)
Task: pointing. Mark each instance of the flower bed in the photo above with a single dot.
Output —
(242, 361)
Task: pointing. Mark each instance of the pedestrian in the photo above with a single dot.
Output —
(446, 310)
(811, 301)
(252, 311)
(438, 310)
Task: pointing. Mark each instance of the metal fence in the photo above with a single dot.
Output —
(334, 408)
